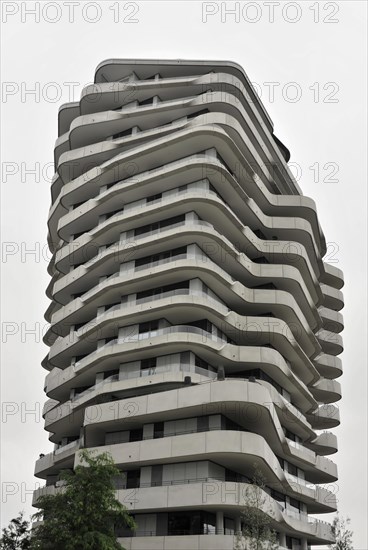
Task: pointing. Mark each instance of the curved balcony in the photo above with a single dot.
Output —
(332, 297)
(215, 245)
(181, 305)
(182, 497)
(59, 459)
(331, 343)
(259, 331)
(71, 192)
(132, 278)
(326, 391)
(328, 366)
(326, 417)
(325, 444)
(332, 320)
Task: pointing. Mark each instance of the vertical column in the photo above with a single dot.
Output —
(237, 525)
(219, 522)
(282, 538)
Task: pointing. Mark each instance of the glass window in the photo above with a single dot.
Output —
(148, 326)
(229, 526)
(295, 503)
(293, 470)
(136, 435)
(154, 197)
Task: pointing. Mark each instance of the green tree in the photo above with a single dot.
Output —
(343, 536)
(83, 515)
(256, 533)
(17, 535)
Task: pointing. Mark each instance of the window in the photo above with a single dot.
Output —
(76, 235)
(110, 214)
(269, 286)
(232, 476)
(158, 430)
(295, 503)
(154, 197)
(203, 324)
(122, 134)
(185, 358)
(293, 470)
(136, 435)
(81, 389)
(109, 373)
(259, 234)
(292, 543)
(148, 327)
(191, 523)
(156, 475)
(200, 363)
(208, 522)
(203, 424)
(290, 435)
(201, 112)
(277, 496)
(109, 306)
(152, 77)
(80, 357)
(148, 363)
(148, 101)
(229, 526)
(133, 479)
(162, 290)
(157, 257)
(148, 366)
(158, 225)
(260, 260)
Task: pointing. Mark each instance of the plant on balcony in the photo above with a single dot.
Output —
(342, 534)
(85, 513)
(17, 535)
(256, 533)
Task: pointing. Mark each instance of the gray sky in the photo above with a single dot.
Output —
(312, 57)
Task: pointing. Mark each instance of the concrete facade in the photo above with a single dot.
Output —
(194, 326)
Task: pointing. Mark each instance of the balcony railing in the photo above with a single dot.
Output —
(161, 296)
(299, 447)
(167, 368)
(67, 447)
(140, 207)
(174, 533)
(143, 373)
(300, 481)
(114, 246)
(181, 328)
(156, 263)
(163, 261)
(122, 483)
(112, 378)
(152, 334)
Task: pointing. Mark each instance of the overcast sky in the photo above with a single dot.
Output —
(307, 61)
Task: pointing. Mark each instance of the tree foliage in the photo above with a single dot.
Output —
(256, 533)
(83, 515)
(343, 536)
(17, 535)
